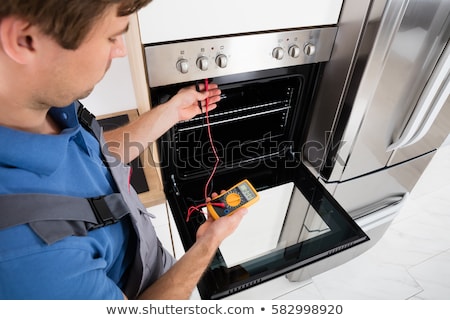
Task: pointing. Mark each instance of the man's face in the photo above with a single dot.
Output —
(72, 74)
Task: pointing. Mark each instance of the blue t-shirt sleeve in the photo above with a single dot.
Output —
(65, 270)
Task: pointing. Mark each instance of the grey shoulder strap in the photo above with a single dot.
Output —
(54, 217)
(87, 120)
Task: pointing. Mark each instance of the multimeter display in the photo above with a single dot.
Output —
(242, 194)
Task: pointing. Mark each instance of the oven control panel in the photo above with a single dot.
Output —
(183, 61)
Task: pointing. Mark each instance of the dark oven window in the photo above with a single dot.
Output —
(251, 123)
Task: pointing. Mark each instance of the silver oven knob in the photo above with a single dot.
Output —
(183, 66)
(309, 49)
(222, 61)
(202, 63)
(278, 53)
(294, 51)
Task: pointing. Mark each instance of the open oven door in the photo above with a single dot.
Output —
(296, 222)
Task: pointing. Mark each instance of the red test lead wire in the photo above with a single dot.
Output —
(210, 141)
(198, 207)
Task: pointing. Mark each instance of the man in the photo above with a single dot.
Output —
(51, 54)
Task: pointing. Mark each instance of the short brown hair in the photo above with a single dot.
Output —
(67, 21)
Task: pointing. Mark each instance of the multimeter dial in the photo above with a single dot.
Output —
(233, 199)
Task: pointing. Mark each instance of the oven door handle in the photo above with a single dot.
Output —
(430, 104)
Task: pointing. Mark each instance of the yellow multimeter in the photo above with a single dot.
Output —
(242, 194)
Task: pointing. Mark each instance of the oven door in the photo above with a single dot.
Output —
(295, 223)
(257, 130)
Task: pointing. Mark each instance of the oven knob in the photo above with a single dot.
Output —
(202, 63)
(294, 51)
(183, 66)
(309, 49)
(222, 61)
(278, 53)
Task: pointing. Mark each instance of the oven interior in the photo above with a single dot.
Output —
(256, 121)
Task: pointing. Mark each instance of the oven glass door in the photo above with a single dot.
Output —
(295, 222)
(256, 129)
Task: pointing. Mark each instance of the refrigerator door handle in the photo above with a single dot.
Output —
(378, 213)
(429, 105)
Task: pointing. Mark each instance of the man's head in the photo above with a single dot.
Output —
(67, 21)
(55, 51)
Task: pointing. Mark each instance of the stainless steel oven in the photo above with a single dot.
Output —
(268, 83)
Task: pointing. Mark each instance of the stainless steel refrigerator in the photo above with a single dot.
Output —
(394, 114)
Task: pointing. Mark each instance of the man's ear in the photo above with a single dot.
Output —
(17, 39)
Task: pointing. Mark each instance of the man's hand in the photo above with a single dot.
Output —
(187, 100)
(218, 230)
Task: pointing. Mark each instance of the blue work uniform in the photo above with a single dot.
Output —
(76, 267)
